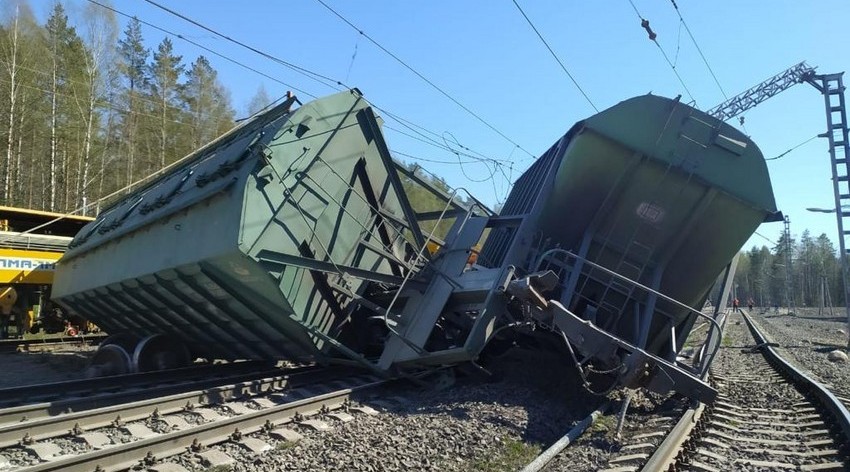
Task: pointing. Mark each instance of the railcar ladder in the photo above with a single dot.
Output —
(638, 254)
(832, 88)
(633, 262)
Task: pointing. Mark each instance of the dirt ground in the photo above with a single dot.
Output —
(26, 368)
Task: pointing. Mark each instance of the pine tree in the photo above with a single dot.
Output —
(208, 103)
(134, 56)
(165, 72)
(67, 82)
(57, 33)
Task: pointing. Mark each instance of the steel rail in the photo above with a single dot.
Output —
(35, 411)
(667, 452)
(124, 456)
(826, 398)
(14, 433)
(14, 345)
(51, 391)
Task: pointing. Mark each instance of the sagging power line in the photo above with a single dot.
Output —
(557, 59)
(644, 23)
(337, 84)
(421, 76)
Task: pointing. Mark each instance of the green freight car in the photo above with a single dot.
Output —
(639, 210)
(242, 250)
(293, 237)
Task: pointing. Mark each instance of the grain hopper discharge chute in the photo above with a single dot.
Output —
(296, 236)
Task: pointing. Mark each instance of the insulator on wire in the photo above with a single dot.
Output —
(645, 23)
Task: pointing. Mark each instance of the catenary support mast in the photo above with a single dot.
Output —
(831, 86)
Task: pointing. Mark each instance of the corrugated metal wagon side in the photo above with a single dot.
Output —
(237, 251)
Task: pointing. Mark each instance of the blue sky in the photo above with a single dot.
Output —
(485, 55)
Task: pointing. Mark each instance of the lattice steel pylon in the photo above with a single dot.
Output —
(824, 299)
(742, 102)
(831, 86)
(789, 285)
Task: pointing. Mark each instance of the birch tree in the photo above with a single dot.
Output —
(16, 54)
(100, 35)
(259, 101)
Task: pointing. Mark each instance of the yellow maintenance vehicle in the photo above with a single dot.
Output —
(31, 241)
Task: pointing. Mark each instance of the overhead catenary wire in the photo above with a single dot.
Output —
(446, 145)
(428, 159)
(443, 147)
(557, 59)
(315, 76)
(430, 137)
(699, 50)
(792, 149)
(318, 77)
(421, 76)
(201, 46)
(653, 37)
(301, 70)
(498, 166)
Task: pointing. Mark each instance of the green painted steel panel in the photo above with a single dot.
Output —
(219, 251)
(668, 195)
(724, 157)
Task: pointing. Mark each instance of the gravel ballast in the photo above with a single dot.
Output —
(478, 424)
(759, 421)
(806, 339)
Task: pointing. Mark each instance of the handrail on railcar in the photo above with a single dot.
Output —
(714, 325)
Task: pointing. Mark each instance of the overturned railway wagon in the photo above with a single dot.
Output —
(294, 236)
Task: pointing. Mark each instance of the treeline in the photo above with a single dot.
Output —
(85, 111)
(761, 272)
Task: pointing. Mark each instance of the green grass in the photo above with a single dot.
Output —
(284, 445)
(603, 424)
(218, 468)
(512, 456)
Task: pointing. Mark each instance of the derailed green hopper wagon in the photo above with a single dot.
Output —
(637, 210)
(244, 249)
(293, 237)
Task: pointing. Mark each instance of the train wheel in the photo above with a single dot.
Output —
(160, 352)
(111, 359)
(127, 341)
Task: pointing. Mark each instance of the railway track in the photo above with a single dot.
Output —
(798, 349)
(147, 432)
(178, 381)
(140, 382)
(769, 416)
(17, 345)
